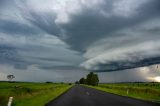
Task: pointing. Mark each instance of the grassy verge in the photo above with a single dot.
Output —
(144, 91)
(32, 94)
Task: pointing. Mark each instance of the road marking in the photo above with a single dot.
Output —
(87, 93)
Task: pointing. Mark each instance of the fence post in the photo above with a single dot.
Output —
(10, 101)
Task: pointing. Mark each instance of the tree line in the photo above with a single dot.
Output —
(91, 79)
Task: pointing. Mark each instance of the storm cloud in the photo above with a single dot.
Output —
(77, 36)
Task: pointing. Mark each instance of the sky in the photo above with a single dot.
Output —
(63, 40)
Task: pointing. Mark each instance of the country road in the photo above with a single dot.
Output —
(84, 96)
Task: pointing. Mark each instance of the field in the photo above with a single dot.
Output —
(145, 91)
(30, 94)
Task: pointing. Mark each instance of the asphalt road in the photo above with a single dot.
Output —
(84, 96)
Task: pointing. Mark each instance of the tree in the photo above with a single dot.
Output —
(82, 81)
(89, 78)
(95, 79)
(77, 82)
(10, 77)
(92, 79)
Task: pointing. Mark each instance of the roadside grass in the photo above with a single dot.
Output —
(144, 91)
(30, 94)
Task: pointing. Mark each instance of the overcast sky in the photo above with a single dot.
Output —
(62, 40)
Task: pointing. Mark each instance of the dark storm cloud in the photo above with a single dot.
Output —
(28, 38)
(3, 3)
(123, 65)
(151, 8)
(12, 56)
(85, 30)
(60, 67)
(9, 55)
(111, 35)
(10, 27)
(44, 21)
(90, 25)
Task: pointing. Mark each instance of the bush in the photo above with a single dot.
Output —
(22, 90)
(48, 82)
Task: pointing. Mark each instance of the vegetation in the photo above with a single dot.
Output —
(82, 81)
(91, 79)
(34, 94)
(77, 82)
(145, 91)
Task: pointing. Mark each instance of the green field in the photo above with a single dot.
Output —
(30, 94)
(144, 91)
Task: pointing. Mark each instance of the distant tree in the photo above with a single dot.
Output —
(49, 82)
(92, 79)
(10, 77)
(77, 82)
(82, 81)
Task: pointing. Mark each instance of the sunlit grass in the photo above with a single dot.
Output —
(34, 94)
(144, 91)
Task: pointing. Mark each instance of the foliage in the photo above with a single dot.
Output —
(82, 81)
(77, 82)
(91, 79)
(69, 83)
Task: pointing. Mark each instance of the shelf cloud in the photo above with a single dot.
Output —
(56, 36)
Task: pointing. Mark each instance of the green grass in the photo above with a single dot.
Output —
(34, 94)
(144, 91)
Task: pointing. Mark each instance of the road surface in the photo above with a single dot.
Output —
(84, 96)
